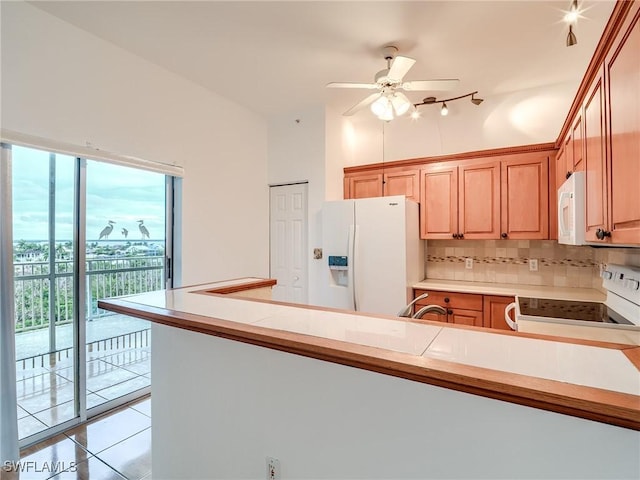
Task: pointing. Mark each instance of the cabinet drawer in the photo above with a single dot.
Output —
(464, 301)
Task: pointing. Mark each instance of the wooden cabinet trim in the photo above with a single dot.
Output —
(472, 155)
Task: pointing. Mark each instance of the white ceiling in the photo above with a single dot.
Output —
(277, 57)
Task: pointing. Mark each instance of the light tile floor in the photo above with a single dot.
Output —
(45, 395)
(113, 446)
(45, 390)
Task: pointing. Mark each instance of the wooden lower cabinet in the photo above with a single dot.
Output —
(494, 311)
(462, 308)
(466, 308)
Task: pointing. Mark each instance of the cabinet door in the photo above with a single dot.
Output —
(595, 162)
(365, 186)
(576, 144)
(465, 317)
(439, 202)
(525, 198)
(479, 200)
(569, 155)
(494, 307)
(623, 81)
(561, 166)
(402, 182)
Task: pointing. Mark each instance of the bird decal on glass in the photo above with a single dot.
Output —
(143, 229)
(107, 230)
(125, 232)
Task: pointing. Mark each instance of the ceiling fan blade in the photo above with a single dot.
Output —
(430, 85)
(369, 86)
(399, 67)
(364, 103)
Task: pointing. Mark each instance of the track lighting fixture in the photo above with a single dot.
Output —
(571, 38)
(444, 110)
(571, 18)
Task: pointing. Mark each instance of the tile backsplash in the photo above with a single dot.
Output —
(507, 261)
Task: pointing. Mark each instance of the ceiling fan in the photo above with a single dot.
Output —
(388, 101)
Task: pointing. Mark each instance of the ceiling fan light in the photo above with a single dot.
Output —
(400, 104)
(444, 111)
(476, 101)
(387, 115)
(380, 105)
(415, 113)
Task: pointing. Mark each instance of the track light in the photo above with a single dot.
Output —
(476, 101)
(571, 38)
(445, 110)
(574, 12)
(571, 18)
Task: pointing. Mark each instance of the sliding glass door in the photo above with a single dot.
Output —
(43, 223)
(83, 230)
(125, 254)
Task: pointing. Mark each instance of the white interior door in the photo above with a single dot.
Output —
(288, 237)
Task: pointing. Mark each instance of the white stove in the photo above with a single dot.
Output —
(616, 320)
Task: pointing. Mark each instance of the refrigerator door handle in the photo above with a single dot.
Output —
(350, 285)
(355, 254)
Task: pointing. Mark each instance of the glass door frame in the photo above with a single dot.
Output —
(172, 201)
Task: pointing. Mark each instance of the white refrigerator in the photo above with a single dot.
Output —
(372, 254)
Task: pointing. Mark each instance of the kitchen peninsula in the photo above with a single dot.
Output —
(335, 394)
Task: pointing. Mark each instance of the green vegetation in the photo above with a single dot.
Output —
(112, 270)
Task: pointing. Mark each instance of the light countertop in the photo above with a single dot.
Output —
(536, 291)
(582, 378)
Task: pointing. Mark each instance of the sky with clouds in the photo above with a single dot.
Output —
(121, 194)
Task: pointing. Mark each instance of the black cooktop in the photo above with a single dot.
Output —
(570, 310)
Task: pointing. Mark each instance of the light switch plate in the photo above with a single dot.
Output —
(468, 263)
(533, 264)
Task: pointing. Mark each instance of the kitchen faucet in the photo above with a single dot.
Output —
(430, 309)
(406, 311)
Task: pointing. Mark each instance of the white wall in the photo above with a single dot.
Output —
(328, 421)
(61, 83)
(517, 118)
(297, 153)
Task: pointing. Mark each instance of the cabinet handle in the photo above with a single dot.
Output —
(461, 235)
(568, 174)
(503, 235)
(446, 299)
(455, 235)
(449, 312)
(601, 234)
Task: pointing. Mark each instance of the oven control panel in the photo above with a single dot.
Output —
(622, 280)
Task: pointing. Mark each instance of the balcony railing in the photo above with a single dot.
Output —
(40, 284)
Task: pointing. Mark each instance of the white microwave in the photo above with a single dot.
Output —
(571, 210)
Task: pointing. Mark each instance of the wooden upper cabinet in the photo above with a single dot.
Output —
(569, 152)
(525, 198)
(595, 162)
(479, 200)
(402, 182)
(576, 145)
(387, 182)
(439, 201)
(622, 68)
(363, 186)
(561, 166)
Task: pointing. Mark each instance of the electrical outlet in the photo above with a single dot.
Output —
(468, 263)
(273, 468)
(533, 264)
